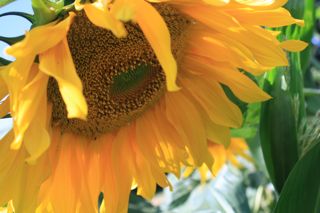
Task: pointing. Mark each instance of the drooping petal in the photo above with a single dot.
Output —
(57, 62)
(155, 30)
(41, 38)
(19, 179)
(99, 15)
(17, 72)
(30, 102)
(38, 129)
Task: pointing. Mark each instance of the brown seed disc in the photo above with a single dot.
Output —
(121, 77)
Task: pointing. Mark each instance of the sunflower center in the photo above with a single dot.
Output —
(121, 78)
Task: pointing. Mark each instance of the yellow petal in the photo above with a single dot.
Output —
(3, 87)
(213, 100)
(34, 111)
(269, 18)
(99, 15)
(155, 30)
(217, 2)
(263, 4)
(218, 134)
(17, 72)
(182, 113)
(219, 155)
(57, 62)
(29, 103)
(19, 178)
(264, 50)
(293, 45)
(41, 38)
(242, 86)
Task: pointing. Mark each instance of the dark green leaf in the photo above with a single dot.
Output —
(278, 131)
(301, 192)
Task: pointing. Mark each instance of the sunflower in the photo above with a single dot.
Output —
(113, 95)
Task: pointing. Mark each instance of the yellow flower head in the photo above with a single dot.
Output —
(119, 93)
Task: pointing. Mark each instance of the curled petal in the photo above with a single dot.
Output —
(57, 62)
(41, 38)
(30, 104)
(155, 30)
(99, 15)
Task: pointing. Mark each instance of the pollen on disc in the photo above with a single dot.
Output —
(121, 78)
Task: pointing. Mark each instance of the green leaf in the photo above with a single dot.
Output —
(301, 192)
(296, 86)
(278, 132)
(5, 2)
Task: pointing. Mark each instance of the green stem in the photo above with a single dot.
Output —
(21, 14)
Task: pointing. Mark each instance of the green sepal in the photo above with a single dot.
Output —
(11, 40)
(5, 2)
(278, 132)
(27, 16)
(301, 192)
(46, 11)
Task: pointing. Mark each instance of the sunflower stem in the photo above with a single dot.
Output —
(11, 40)
(27, 16)
(4, 62)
